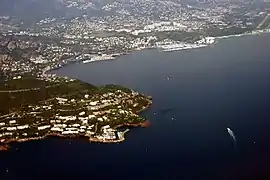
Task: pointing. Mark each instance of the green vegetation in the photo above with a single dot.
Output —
(29, 90)
(265, 23)
(215, 32)
(174, 35)
(112, 88)
(33, 107)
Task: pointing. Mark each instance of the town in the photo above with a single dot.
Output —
(121, 27)
(84, 110)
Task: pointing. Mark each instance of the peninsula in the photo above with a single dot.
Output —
(35, 108)
(36, 104)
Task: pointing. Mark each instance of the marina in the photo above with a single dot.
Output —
(99, 58)
(178, 46)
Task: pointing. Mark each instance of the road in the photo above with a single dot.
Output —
(263, 21)
(25, 90)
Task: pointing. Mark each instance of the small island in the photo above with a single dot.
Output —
(34, 109)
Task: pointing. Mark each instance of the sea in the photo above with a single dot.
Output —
(197, 94)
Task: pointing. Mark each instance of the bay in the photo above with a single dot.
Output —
(210, 89)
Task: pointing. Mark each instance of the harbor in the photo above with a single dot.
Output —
(102, 57)
(178, 46)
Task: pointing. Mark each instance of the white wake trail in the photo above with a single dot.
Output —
(231, 134)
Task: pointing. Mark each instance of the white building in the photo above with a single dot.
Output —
(44, 127)
(60, 125)
(122, 111)
(100, 119)
(11, 128)
(56, 129)
(81, 130)
(82, 113)
(83, 118)
(94, 103)
(70, 132)
(8, 134)
(71, 129)
(89, 133)
(91, 116)
(61, 99)
(76, 125)
(68, 118)
(23, 127)
(12, 121)
(104, 101)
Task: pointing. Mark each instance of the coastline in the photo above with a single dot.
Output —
(181, 46)
(256, 32)
(5, 146)
(46, 71)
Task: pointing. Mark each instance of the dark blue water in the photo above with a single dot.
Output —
(227, 85)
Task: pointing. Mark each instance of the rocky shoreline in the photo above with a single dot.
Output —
(5, 145)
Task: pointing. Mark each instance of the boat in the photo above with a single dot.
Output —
(231, 134)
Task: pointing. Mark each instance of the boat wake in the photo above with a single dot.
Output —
(232, 135)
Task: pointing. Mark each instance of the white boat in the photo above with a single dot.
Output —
(231, 134)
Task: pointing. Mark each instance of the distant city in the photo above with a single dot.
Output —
(91, 30)
(96, 31)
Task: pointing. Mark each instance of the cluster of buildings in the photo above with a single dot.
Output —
(14, 68)
(120, 27)
(153, 16)
(90, 116)
(107, 133)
